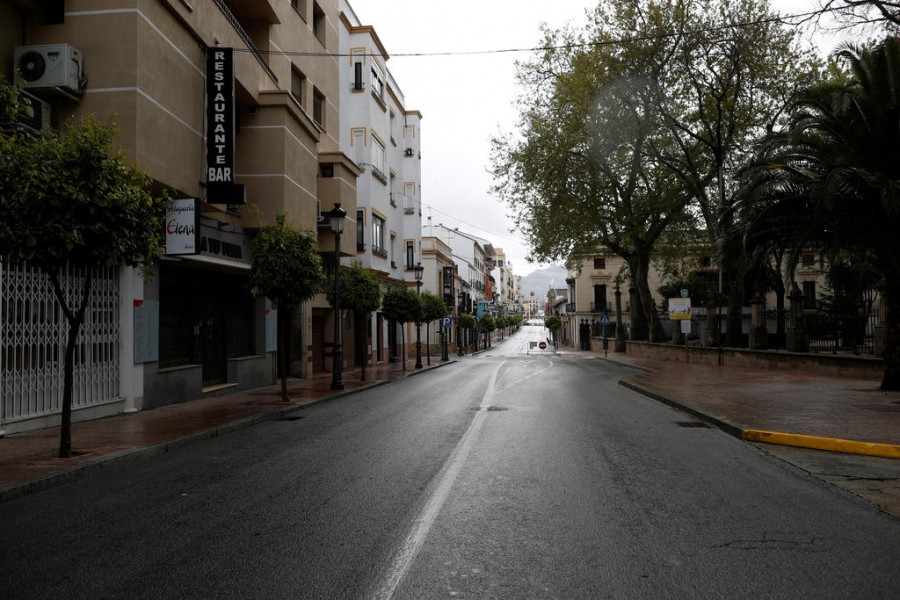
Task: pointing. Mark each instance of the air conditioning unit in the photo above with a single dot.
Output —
(409, 152)
(34, 117)
(49, 66)
(321, 219)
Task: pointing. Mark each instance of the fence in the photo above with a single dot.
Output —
(33, 338)
(853, 334)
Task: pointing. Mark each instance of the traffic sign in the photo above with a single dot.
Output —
(604, 320)
(447, 322)
(542, 345)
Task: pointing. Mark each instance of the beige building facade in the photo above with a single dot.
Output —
(195, 329)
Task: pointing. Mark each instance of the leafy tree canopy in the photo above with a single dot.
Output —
(401, 304)
(286, 266)
(360, 290)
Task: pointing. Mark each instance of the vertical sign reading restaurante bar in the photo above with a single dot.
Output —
(220, 115)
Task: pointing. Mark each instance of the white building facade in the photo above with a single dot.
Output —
(384, 138)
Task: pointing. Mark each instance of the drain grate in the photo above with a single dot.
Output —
(693, 424)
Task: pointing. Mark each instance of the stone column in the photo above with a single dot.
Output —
(797, 337)
(710, 338)
(759, 336)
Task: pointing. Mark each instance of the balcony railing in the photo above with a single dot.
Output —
(597, 307)
(246, 38)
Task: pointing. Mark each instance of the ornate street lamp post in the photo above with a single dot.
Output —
(336, 218)
(459, 312)
(419, 269)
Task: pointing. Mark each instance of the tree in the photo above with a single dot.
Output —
(732, 76)
(831, 178)
(433, 308)
(553, 323)
(401, 305)
(488, 325)
(360, 292)
(285, 268)
(72, 199)
(579, 177)
(466, 323)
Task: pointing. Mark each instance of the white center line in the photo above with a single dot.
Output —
(422, 525)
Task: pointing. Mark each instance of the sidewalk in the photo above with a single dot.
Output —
(29, 463)
(743, 400)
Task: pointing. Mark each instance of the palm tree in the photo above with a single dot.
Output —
(831, 179)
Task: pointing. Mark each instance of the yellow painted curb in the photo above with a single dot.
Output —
(823, 443)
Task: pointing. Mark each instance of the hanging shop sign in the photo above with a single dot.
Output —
(183, 227)
(220, 128)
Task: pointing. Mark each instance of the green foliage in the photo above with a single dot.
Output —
(433, 307)
(487, 323)
(359, 288)
(72, 198)
(286, 266)
(831, 179)
(552, 322)
(466, 321)
(401, 305)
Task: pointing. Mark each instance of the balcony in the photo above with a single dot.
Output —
(599, 307)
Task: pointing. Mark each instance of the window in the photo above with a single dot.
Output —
(377, 82)
(809, 294)
(358, 142)
(808, 260)
(318, 24)
(599, 298)
(318, 108)
(298, 82)
(358, 59)
(409, 197)
(410, 254)
(599, 262)
(378, 155)
(393, 128)
(393, 251)
(378, 236)
(360, 231)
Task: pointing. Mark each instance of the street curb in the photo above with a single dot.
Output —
(76, 471)
(773, 437)
(823, 443)
(722, 423)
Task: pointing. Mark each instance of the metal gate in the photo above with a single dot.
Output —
(33, 334)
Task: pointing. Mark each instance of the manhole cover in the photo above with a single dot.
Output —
(693, 424)
(496, 408)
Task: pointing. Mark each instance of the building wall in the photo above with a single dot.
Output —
(146, 71)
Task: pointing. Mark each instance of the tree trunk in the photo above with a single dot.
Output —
(640, 275)
(891, 379)
(284, 322)
(362, 335)
(75, 321)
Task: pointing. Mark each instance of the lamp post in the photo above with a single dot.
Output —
(459, 312)
(419, 269)
(336, 218)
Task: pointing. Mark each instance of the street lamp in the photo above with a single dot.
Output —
(419, 269)
(336, 219)
(459, 312)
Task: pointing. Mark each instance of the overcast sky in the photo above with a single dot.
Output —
(467, 99)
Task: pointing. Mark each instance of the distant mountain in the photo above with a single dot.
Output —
(539, 281)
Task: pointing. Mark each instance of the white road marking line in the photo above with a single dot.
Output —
(411, 546)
